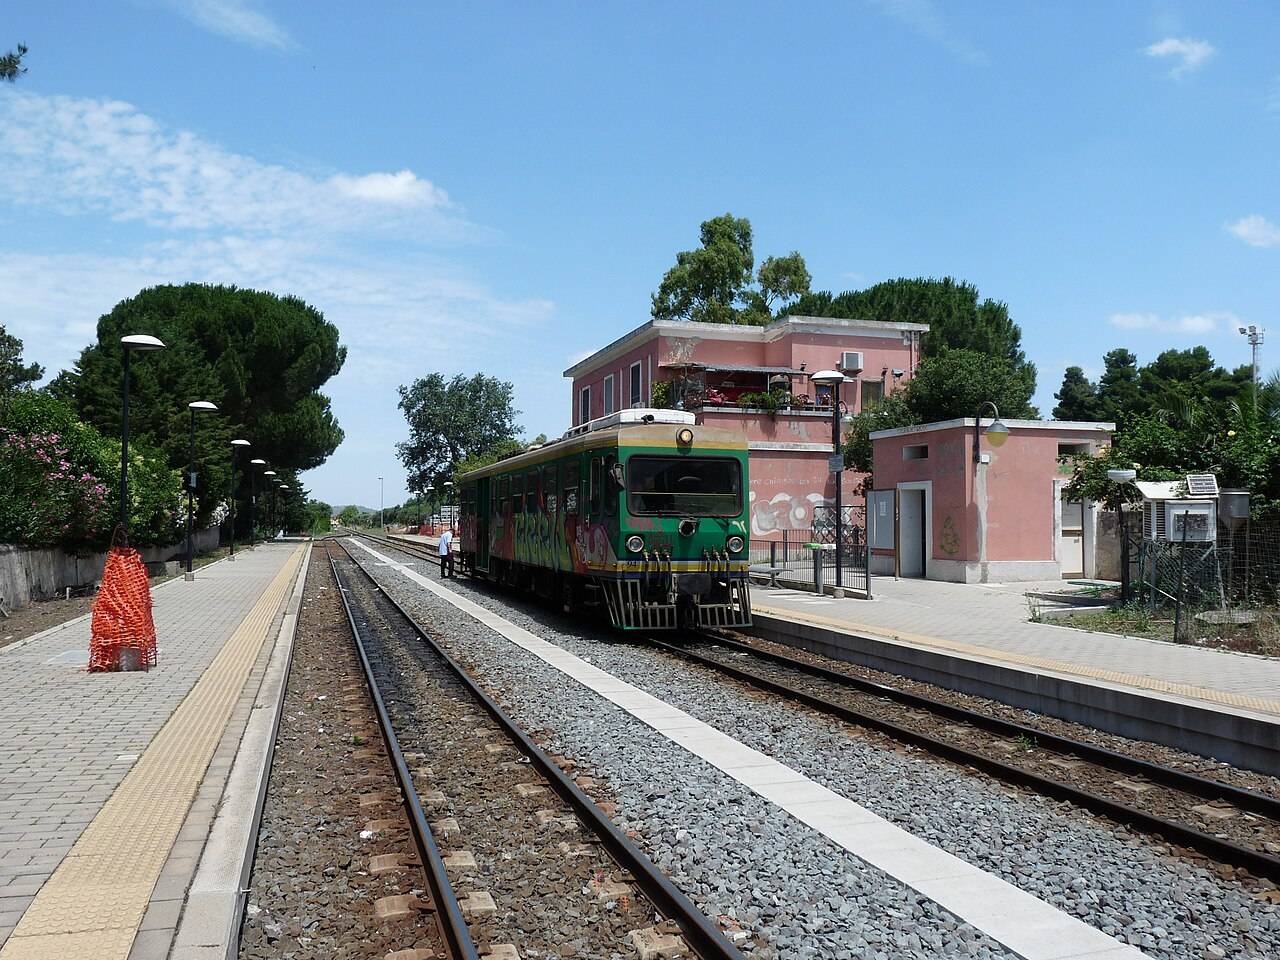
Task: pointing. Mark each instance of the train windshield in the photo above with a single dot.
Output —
(684, 486)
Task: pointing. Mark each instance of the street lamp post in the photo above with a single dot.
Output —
(284, 490)
(142, 343)
(448, 499)
(997, 433)
(381, 525)
(1254, 334)
(833, 379)
(253, 499)
(1121, 477)
(271, 512)
(235, 448)
(202, 406)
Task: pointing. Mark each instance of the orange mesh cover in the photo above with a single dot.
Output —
(124, 636)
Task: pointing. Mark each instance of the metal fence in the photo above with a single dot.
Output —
(790, 558)
(1224, 592)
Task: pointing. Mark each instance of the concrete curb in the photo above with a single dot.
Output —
(210, 925)
(1231, 734)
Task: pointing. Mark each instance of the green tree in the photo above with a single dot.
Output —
(957, 318)
(956, 383)
(11, 67)
(714, 283)
(892, 411)
(349, 516)
(1118, 391)
(1077, 397)
(14, 374)
(260, 357)
(451, 420)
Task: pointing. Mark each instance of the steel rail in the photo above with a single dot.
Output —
(699, 932)
(1191, 783)
(453, 926)
(1258, 863)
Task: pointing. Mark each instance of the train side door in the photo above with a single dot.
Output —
(482, 523)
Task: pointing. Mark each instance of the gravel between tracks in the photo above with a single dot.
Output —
(1128, 886)
(310, 895)
(545, 904)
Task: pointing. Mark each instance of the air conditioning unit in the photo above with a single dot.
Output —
(851, 361)
(1196, 521)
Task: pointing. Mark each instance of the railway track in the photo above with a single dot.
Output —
(1245, 820)
(1243, 826)
(496, 815)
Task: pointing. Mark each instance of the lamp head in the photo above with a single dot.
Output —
(258, 461)
(827, 378)
(268, 473)
(202, 406)
(448, 483)
(142, 342)
(997, 433)
(1122, 476)
(241, 443)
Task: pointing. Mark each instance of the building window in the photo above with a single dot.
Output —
(584, 405)
(608, 394)
(872, 393)
(637, 397)
(917, 451)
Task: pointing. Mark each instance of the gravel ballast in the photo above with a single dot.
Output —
(1127, 886)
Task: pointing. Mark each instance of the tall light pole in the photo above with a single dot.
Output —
(142, 343)
(271, 508)
(195, 406)
(253, 499)
(1120, 478)
(284, 490)
(833, 379)
(382, 525)
(231, 500)
(1253, 333)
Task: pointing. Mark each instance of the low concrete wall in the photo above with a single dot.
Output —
(27, 574)
(1228, 734)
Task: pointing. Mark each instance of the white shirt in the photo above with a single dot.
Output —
(446, 538)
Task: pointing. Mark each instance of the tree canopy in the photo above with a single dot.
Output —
(11, 67)
(715, 283)
(14, 374)
(451, 421)
(260, 357)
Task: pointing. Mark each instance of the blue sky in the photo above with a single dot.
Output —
(499, 187)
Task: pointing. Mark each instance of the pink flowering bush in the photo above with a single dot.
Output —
(59, 481)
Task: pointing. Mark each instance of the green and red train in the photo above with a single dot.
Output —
(642, 511)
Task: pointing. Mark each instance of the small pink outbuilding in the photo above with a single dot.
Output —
(948, 504)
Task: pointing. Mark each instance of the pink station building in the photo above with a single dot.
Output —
(720, 371)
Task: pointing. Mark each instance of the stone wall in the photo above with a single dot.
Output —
(28, 574)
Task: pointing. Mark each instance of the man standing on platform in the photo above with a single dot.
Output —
(446, 558)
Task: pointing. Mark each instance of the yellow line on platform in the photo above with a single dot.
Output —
(92, 905)
(1243, 700)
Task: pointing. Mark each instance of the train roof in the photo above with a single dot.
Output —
(638, 427)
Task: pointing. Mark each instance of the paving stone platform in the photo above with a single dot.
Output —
(77, 743)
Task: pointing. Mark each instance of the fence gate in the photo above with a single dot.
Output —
(853, 547)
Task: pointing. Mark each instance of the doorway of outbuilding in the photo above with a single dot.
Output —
(912, 527)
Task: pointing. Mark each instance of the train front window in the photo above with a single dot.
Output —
(684, 486)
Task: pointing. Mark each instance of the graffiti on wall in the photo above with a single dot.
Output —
(784, 511)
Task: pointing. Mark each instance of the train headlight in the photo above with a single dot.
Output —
(734, 544)
(684, 437)
(635, 543)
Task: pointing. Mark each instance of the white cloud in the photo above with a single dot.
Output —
(1188, 323)
(1191, 54)
(926, 19)
(1256, 230)
(236, 20)
(104, 156)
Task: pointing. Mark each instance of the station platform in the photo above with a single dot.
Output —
(978, 638)
(111, 782)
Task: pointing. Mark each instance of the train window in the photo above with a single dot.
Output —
(517, 493)
(611, 486)
(571, 487)
(595, 503)
(532, 498)
(551, 484)
(684, 486)
(502, 494)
